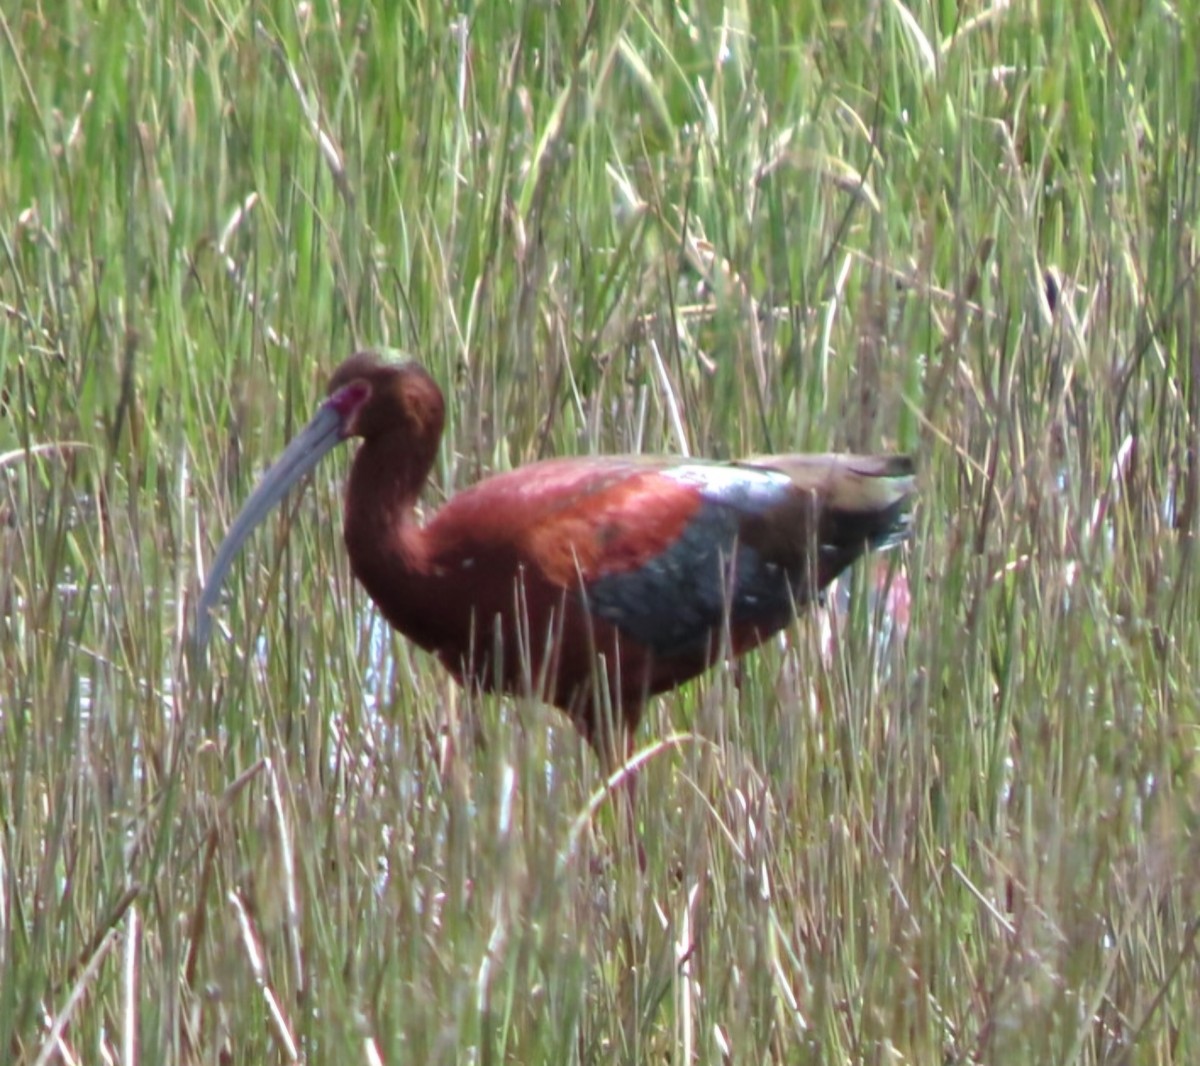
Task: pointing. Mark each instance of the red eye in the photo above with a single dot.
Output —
(348, 399)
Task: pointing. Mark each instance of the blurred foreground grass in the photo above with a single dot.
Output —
(961, 230)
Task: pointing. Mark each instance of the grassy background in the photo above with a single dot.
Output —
(961, 230)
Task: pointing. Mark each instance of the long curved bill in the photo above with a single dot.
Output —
(320, 436)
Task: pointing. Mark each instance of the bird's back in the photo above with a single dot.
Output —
(657, 564)
(762, 538)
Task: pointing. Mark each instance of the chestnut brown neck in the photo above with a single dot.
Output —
(381, 530)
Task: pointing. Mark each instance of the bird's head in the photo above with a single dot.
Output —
(374, 395)
(371, 396)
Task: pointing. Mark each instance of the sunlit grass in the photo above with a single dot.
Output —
(962, 231)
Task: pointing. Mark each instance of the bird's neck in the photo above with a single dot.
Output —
(383, 536)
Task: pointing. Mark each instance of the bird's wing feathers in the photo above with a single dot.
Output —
(654, 551)
(669, 551)
(847, 483)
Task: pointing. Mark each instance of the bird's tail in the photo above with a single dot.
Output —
(865, 500)
(878, 491)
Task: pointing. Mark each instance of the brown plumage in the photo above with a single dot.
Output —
(572, 578)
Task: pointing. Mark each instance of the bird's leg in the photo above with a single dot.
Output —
(616, 758)
(607, 731)
(448, 727)
(628, 800)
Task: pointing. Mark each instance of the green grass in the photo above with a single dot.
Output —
(750, 228)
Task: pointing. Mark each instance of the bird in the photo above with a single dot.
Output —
(592, 583)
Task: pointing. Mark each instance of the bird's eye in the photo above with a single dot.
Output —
(349, 398)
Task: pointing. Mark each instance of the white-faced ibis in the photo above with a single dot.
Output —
(594, 582)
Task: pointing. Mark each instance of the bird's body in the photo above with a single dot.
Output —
(592, 582)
